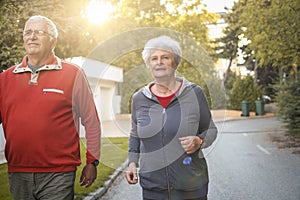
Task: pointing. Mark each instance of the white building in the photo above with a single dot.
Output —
(104, 80)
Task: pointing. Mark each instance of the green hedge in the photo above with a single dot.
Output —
(244, 89)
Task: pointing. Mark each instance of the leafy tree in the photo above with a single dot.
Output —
(273, 29)
(11, 34)
(186, 22)
(226, 47)
(270, 26)
(70, 24)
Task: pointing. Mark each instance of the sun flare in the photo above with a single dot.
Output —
(98, 12)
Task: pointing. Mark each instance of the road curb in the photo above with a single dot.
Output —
(102, 190)
(244, 118)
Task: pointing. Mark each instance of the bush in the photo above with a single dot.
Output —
(288, 99)
(244, 89)
(217, 95)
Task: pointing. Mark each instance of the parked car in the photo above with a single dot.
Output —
(267, 99)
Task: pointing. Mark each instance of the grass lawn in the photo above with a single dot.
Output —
(113, 154)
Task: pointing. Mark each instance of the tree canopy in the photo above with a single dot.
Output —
(79, 37)
(110, 42)
(271, 28)
(272, 50)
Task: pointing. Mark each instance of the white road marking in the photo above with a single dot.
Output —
(245, 134)
(263, 149)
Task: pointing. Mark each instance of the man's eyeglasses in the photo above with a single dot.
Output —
(36, 32)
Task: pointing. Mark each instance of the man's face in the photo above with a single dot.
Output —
(162, 63)
(37, 41)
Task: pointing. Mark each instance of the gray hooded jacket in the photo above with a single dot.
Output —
(154, 140)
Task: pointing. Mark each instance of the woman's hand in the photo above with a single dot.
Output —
(190, 144)
(131, 174)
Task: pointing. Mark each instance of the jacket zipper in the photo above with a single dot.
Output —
(165, 155)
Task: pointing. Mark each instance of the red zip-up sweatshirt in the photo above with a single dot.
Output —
(41, 113)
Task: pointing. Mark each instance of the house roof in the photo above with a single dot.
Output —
(97, 69)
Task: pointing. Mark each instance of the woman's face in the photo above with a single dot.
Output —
(162, 64)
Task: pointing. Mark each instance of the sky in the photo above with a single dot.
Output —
(218, 5)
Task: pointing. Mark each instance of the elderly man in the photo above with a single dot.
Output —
(42, 102)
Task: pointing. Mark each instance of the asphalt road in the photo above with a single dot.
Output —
(244, 164)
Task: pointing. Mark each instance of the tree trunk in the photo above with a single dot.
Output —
(255, 71)
(227, 71)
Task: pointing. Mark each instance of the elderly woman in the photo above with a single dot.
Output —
(171, 124)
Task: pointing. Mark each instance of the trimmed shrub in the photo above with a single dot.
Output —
(244, 89)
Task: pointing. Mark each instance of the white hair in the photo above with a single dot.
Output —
(164, 43)
(52, 30)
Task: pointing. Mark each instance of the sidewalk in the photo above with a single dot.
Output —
(229, 115)
(120, 127)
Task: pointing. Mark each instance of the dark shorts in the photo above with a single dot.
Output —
(50, 186)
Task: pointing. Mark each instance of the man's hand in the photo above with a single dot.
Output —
(88, 175)
(131, 174)
(190, 144)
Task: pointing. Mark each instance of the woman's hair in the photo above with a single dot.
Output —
(52, 30)
(164, 43)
